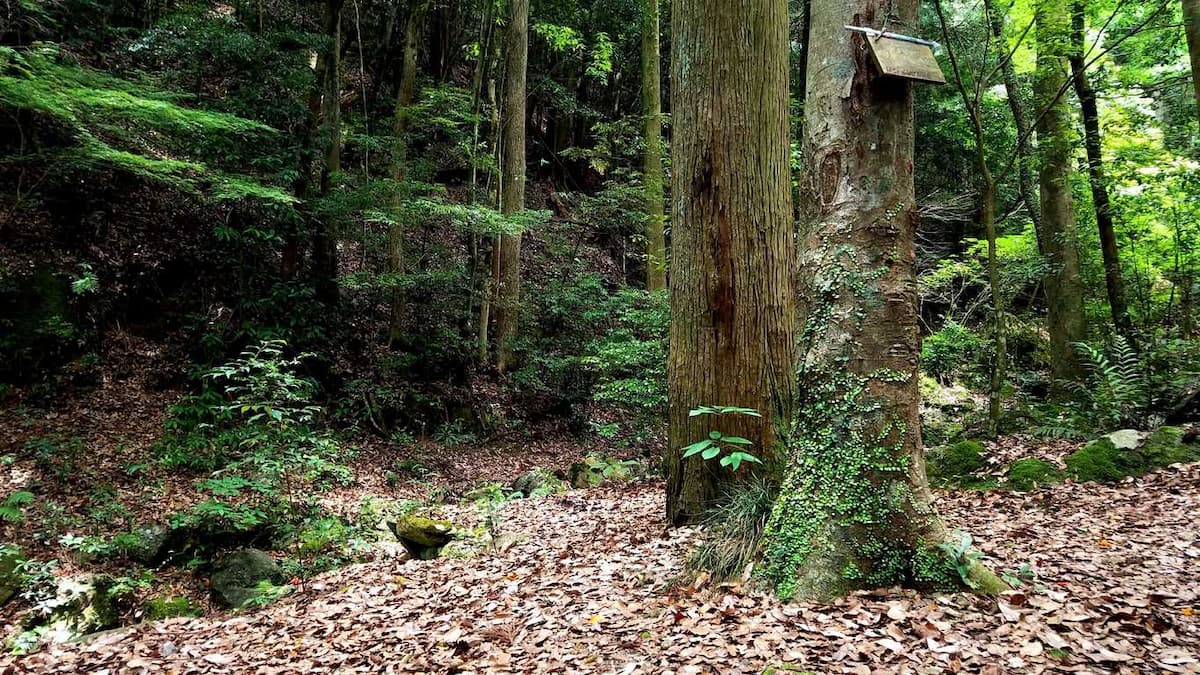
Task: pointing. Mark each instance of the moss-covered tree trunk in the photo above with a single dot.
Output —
(1114, 281)
(1059, 237)
(854, 508)
(652, 171)
(512, 181)
(404, 100)
(732, 306)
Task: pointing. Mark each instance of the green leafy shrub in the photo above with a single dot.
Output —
(1028, 474)
(951, 352)
(596, 470)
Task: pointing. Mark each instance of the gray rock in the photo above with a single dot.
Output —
(151, 546)
(422, 537)
(236, 577)
(1126, 439)
(81, 605)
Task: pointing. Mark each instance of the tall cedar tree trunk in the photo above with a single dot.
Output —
(404, 100)
(1013, 94)
(512, 181)
(324, 242)
(656, 246)
(987, 198)
(1113, 280)
(1191, 27)
(479, 251)
(732, 308)
(1064, 289)
(854, 509)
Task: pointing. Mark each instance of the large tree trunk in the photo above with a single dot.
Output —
(1013, 94)
(1191, 27)
(1113, 279)
(512, 181)
(404, 100)
(1064, 290)
(854, 509)
(732, 306)
(656, 246)
(324, 242)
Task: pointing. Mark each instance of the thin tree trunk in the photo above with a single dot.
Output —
(1013, 93)
(1064, 289)
(491, 283)
(854, 509)
(732, 302)
(1191, 27)
(404, 100)
(988, 218)
(656, 246)
(512, 197)
(1113, 280)
(325, 258)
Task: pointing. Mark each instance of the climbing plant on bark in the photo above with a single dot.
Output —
(854, 508)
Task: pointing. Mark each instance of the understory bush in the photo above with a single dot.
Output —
(733, 530)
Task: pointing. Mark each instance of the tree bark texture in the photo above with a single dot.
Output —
(325, 254)
(1064, 289)
(854, 509)
(512, 182)
(1113, 280)
(732, 307)
(652, 171)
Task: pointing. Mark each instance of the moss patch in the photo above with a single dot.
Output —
(1029, 474)
(1166, 446)
(956, 464)
(158, 609)
(1101, 461)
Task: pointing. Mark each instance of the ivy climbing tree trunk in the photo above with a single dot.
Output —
(1064, 290)
(324, 241)
(512, 180)
(652, 171)
(404, 100)
(1191, 28)
(732, 303)
(854, 508)
(1113, 280)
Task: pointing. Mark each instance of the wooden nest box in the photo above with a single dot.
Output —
(902, 56)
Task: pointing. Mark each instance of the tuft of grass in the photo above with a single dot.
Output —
(734, 529)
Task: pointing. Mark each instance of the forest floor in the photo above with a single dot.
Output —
(593, 581)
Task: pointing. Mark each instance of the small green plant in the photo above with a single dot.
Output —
(718, 444)
(961, 557)
(733, 530)
(265, 593)
(12, 509)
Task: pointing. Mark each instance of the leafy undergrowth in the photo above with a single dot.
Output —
(587, 581)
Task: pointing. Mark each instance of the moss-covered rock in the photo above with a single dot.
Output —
(158, 609)
(1028, 474)
(956, 464)
(81, 605)
(538, 482)
(1102, 461)
(1167, 446)
(237, 577)
(422, 537)
(11, 578)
